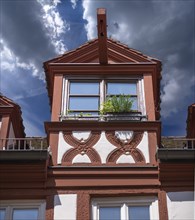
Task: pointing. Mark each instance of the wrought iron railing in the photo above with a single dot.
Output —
(108, 117)
(38, 143)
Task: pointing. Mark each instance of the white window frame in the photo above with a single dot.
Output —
(10, 205)
(124, 203)
(102, 86)
(78, 95)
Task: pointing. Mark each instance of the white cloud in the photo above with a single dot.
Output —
(38, 29)
(74, 3)
(89, 15)
(55, 26)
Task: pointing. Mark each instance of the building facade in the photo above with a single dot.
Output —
(100, 164)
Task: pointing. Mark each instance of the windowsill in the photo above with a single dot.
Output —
(133, 116)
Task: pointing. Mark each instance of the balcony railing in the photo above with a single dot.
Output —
(180, 142)
(108, 117)
(38, 143)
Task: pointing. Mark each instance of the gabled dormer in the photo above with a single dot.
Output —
(11, 125)
(80, 81)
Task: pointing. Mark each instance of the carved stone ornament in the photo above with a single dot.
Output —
(124, 135)
(81, 146)
(126, 143)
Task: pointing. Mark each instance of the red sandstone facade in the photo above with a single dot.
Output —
(95, 163)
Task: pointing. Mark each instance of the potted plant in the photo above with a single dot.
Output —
(118, 107)
(117, 104)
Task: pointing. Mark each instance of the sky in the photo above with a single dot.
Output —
(34, 31)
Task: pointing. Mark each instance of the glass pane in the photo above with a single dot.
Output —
(139, 213)
(109, 213)
(135, 104)
(2, 214)
(84, 103)
(84, 88)
(121, 88)
(24, 214)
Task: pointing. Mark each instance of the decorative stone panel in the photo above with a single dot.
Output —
(103, 147)
(81, 147)
(126, 145)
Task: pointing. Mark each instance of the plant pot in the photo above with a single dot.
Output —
(123, 116)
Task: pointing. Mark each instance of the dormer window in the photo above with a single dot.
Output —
(125, 88)
(85, 97)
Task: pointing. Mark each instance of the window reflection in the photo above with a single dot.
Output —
(2, 214)
(116, 88)
(139, 213)
(24, 214)
(109, 213)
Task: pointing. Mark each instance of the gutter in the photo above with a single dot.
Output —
(173, 154)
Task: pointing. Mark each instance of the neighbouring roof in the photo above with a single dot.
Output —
(9, 107)
(173, 141)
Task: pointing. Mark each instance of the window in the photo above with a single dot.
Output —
(23, 214)
(135, 208)
(17, 210)
(126, 88)
(86, 96)
(2, 214)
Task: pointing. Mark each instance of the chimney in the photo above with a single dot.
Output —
(102, 35)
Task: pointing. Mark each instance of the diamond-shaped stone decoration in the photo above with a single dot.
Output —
(124, 135)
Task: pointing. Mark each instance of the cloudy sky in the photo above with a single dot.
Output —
(33, 31)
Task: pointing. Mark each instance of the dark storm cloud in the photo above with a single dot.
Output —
(164, 30)
(23, 31)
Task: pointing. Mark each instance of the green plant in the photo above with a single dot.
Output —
(69, 111)
(119, 103)
(81, 114)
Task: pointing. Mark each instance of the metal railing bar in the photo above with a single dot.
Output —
(22, 143)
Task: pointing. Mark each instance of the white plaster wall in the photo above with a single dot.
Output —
(144, 147)
(81, 134)
(62, 147)
(181, 205)
(65, 206)
(81, 159)
(11, 131)
(154, 211)
(11, 135)
(141, 100)
(103, 147)
(125, 159)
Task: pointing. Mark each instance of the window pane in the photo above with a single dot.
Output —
(84, 103)
(24, 214)
(135, 104)
(139, 213)
(84, 88)
(109, 213)
(2, 214)
(121, 88)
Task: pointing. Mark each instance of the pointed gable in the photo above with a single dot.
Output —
(9, 108)
(117, 53)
